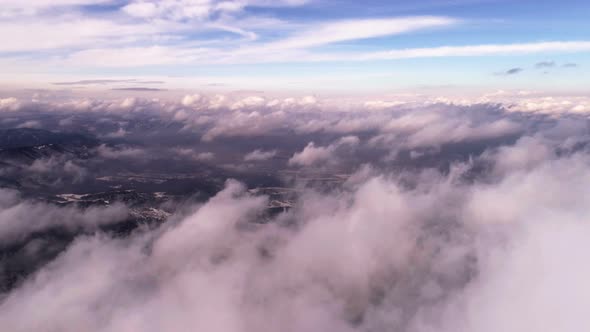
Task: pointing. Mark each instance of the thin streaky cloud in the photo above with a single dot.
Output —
(107, 81)
(481, 50)
(545, 64)
(138, 89)
(348, 30)
(513, 71)
(135, 57)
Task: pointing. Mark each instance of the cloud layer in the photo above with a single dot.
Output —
(446, 255)
(410, 215)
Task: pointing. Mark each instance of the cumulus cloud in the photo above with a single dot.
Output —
(396, 246)
(204, 156)
(189, 100)
(192, 154)
(20, 218)
(247, 123)
(108, 152)
(30, 124)
(445, 255)
(9, 104)
(119, 133)
(58, 166)
(260, 155)
(312, 154)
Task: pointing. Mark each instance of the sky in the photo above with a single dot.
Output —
(307, 46)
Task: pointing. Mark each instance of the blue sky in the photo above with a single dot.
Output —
(306, 45)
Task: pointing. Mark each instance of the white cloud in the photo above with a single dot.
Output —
(247, 123)
(12, 8)
(192, 154)
(260, 155)
(272, 53)
(9, 104)
(19, 217)
(51, 3)
(527, 153)
(120, 152)
(118, 133)
(311, 155)
(63, 32)
(339, 31)
(445, 256)
(314, 155)
(205, 156)
(30, 124)
(440, 252)
(189, 100)
(134, 56)
(197, 9)
(478, 50)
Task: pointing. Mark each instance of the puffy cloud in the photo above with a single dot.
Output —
(312, 154)
(412, 250)
(204, 156)
(60, 166)
(445, 255)
(458, 132)
(248, 102)
(527, 153)
(108, 152)
(552, 105)
(189, 100)
(117, 134)
(260, 155)
(20, 218)
(192, 154)
(30, 124)
(247, 123)
(9, 104)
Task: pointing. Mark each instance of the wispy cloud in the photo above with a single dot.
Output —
(158, 55)
(513, 71)
(570, 65)
(545, 64)
(340, 31)
(180, 10)
(106, 82)
(480, 50)
(138, 89)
